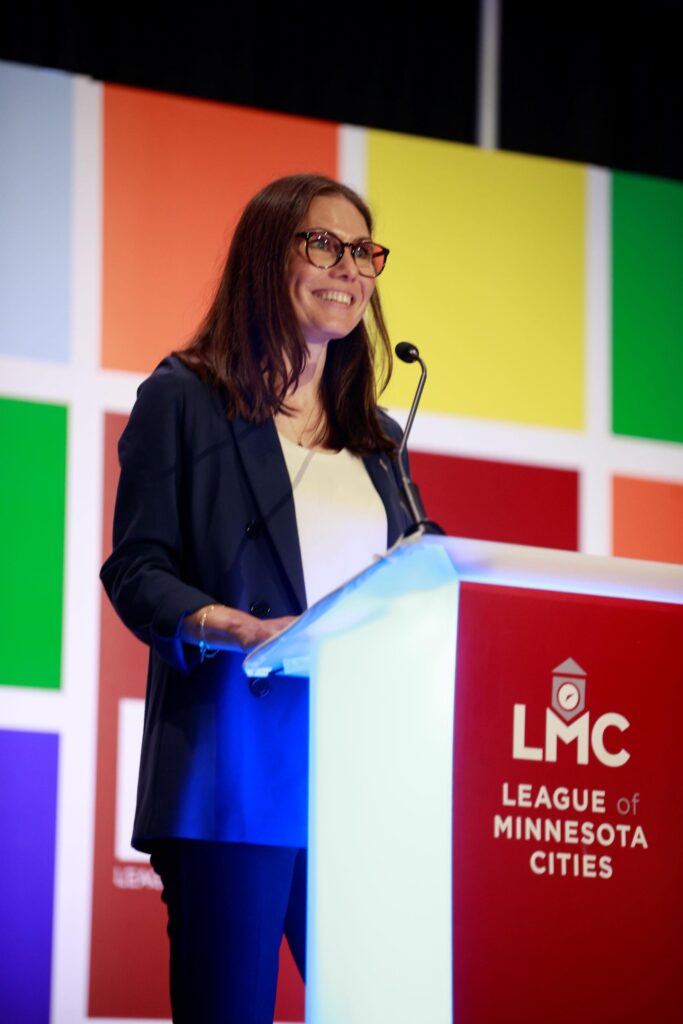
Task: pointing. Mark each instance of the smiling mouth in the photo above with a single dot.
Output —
(341, 297)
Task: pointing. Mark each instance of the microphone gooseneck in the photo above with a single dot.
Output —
(409, 353)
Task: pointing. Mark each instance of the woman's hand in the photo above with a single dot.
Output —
(226, 628)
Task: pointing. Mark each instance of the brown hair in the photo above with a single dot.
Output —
(250, 335)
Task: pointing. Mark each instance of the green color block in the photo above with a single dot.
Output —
(647, 307)
(33, 474)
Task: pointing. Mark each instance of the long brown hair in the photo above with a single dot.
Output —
(250, 345)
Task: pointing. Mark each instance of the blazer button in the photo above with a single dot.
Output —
(259, 687)
(259, 608)
(253, 528)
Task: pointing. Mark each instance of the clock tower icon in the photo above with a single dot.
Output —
(569, 689)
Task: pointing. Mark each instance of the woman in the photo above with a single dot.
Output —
(257, 473)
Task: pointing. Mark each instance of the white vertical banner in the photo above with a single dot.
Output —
(129, 742)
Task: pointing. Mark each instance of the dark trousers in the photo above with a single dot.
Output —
(229, 905)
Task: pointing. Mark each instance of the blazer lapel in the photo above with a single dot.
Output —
(264, 466)
(383, 476)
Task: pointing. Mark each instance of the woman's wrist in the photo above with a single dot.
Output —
(216, 627)
(204, 649)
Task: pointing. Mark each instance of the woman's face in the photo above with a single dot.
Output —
(329, 303)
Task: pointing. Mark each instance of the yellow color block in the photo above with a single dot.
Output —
(486, 276)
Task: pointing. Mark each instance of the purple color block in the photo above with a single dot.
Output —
(28, 806)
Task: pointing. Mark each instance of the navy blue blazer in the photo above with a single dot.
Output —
(205, 515)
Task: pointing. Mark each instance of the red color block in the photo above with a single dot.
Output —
(500, 501)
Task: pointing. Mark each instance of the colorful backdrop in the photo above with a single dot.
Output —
(546, 299)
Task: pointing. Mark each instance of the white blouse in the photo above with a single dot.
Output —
(340, 517)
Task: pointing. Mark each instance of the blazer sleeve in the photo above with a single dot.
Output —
(144, 574)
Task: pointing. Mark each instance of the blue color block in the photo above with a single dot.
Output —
(35, 212)
(28, 806)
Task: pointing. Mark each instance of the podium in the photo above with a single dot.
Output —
(495, 819)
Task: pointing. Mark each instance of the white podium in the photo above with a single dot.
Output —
(381, 656)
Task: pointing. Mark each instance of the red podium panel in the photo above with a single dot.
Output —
(567, 819)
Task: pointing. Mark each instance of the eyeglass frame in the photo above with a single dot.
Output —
(306, 235)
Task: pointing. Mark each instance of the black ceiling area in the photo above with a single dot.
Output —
(595, 83)
(598, 83)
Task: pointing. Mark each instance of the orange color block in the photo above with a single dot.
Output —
(647, 519)
(177, 173)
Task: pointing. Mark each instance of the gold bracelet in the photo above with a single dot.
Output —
(204, 649)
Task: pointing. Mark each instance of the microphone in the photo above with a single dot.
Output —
(409, 353)
(406, 351)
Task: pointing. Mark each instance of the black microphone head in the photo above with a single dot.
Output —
(407, 352)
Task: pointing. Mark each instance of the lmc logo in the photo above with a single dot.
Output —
(563, 726)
